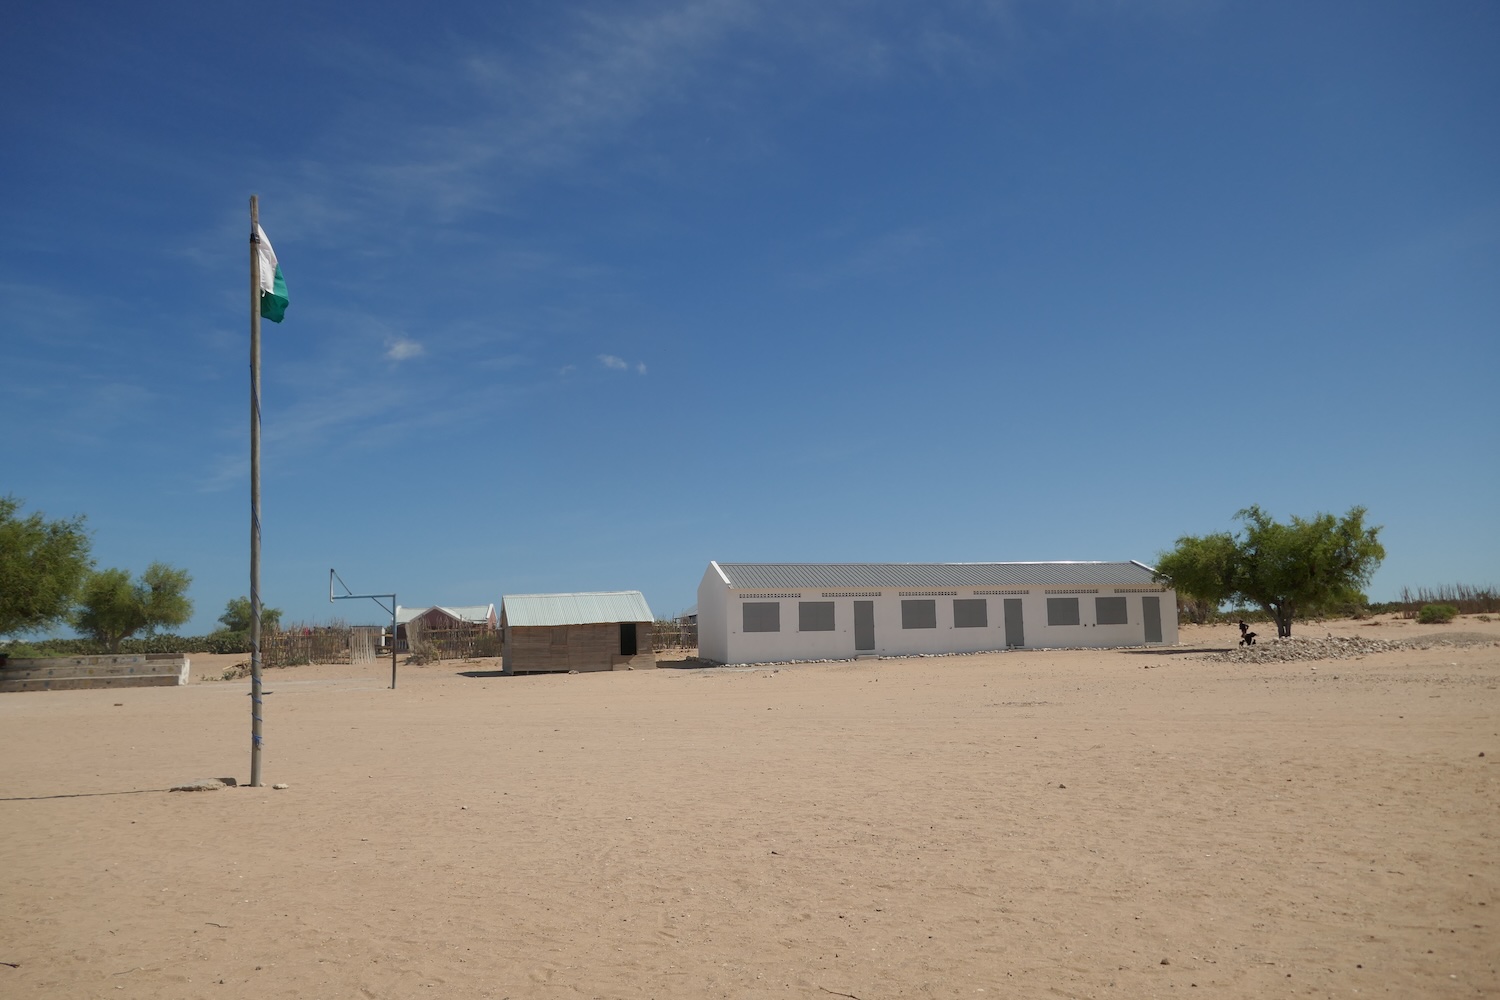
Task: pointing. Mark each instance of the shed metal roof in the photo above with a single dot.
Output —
(916, 576)
(531, 610)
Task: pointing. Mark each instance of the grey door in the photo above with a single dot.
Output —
(1151, 612)
(864, 626)
(1015, 635)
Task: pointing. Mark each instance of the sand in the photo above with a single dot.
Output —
(1125, 823)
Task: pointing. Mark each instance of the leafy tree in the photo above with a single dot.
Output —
(112, 609)
(42, 565)
(238, 614)
(1283, 568)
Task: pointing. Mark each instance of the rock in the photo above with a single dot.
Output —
(1298, 648)
(281, 784)
(201, 785)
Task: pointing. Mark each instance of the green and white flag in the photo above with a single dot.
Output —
(272, 284)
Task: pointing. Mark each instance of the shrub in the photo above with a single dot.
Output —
(25, 650)
(1437, 614)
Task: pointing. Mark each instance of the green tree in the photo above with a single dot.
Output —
(238, 613)
(42, 565)
(112, 609)
(1284, 568)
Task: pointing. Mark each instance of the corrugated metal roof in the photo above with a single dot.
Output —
(921, 576)
(531, 610)
(477, 613)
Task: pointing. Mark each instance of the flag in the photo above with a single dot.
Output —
(272, 284)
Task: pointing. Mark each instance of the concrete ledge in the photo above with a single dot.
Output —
(67, 673)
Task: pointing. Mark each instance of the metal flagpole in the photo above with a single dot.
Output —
(255, 682)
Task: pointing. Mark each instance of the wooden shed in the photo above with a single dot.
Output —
(557, 633)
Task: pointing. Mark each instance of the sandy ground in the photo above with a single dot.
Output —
(1129, 823)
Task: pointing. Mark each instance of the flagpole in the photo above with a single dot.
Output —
(255, 679)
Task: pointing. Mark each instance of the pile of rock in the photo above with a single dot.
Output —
(1338, 647)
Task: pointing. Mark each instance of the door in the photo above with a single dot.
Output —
(1151, 612)
(864, 626)
(1015, 635)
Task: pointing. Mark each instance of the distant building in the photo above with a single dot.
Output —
(438, 618)
(553, 633)
(770, 612)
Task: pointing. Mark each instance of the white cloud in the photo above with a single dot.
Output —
(402, 349)
(621, 365)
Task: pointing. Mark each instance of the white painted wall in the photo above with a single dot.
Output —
(721, 636)
(713, 621)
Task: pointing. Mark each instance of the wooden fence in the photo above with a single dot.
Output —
(295, 647)
(673, 634)
(426, 643)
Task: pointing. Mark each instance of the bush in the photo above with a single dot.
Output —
(218, 642)
(26, 651)
(1437, 614)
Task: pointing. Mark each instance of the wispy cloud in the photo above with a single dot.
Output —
(869, 256)
(526, 110)
(531, 106)
(618, 364)
(402, 349)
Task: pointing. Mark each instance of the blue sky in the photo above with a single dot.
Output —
(585, 295)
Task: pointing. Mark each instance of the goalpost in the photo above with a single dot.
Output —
(349, 595)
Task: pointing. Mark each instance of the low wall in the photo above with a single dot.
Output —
(64, 673)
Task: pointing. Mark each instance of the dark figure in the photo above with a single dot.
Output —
(1247, 637)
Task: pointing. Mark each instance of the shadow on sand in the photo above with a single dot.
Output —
(82, 795)
(681, 663)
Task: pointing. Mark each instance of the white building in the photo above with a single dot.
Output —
(770, 612)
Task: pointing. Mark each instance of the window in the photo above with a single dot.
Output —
(815, 616)
(1110, 611)
(627, 639)
(1062, 611)
(971, 613)
(762, 617)
(919, 614)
